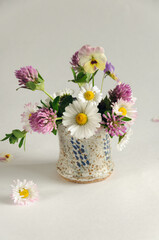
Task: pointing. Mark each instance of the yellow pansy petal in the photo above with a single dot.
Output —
(89, 68)
(101, 61)
(84, 59)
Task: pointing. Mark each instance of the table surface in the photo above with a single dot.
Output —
(45, 34)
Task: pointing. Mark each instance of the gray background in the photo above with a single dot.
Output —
(45, 34)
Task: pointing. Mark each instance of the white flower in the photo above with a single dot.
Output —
(126, 109)
(24, 193)
(29, 109)
(89, 93)
(5, 157)
(66, 91)
(124, 140)
(81, 119)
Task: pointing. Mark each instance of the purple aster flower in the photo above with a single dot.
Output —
(114, 124)
(43, 121)
(121, 91)
(75, 61)
(26, 74)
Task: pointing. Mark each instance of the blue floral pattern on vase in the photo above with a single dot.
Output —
(79, 153)
(106, 141)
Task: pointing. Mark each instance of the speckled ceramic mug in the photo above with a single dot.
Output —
(84, 160)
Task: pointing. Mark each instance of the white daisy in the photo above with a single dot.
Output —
(5, 157)
(89, 93)
(66, 91)
(125, 108)
(24, 193)
(124, 140)
(81, 119)
(29, 109)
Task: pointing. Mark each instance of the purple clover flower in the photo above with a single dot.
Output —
(26, 74)
(75, 61)
(114, 124)
(43, 121)
(121, 91)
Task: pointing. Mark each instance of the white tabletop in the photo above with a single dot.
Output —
(45, 34)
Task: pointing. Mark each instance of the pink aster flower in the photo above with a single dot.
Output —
(26, 74)
(43, 121)
(121, 91)
(114, 124)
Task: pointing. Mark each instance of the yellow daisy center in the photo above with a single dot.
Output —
(24, 193)
(30, 115)
(89, 95)
(123, 111)
(81, 118)
(7, 155)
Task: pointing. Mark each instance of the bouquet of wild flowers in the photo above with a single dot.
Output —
(83, 114)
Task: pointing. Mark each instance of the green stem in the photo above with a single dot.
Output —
(93, 81)
(103, 82)
(48, 94)
(59, 118)
(24, 143)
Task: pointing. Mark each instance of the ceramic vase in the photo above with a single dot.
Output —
(84, 160)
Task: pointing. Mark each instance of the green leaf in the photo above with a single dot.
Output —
(43, 104)
(126, 119)
(74, 74)
(51, 104)
(31, 85)
(55, 103)
(81, 77)
(13, 139)
(64, 102)
(8, 135)
(5, 138)
(21, 142)
(105, 105)
(40, 78)
(121, 137)
(54, 131)
(17, 133)
(72, 81)
(88, 79)
(93, 75)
